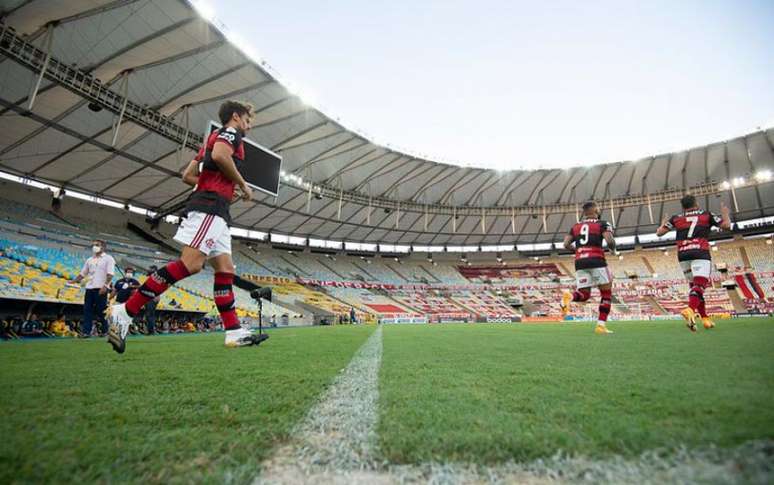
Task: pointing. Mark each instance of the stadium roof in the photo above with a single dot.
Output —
(167, 69)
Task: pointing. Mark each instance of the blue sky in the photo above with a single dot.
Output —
(507, 84)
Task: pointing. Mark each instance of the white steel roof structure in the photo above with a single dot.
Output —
(111, 97)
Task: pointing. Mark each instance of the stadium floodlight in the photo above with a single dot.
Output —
(763, 175)
(738, 181)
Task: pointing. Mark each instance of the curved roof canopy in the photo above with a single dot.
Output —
(162, 70)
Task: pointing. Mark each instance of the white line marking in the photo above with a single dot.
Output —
(336, 443)
(336, 440)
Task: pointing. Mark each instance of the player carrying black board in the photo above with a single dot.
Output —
(204, 232)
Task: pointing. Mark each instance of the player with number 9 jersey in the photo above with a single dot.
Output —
(587, 236)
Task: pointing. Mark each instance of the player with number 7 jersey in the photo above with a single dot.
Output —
(693, 227)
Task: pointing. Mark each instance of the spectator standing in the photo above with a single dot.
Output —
(123, 288)
(98, 272)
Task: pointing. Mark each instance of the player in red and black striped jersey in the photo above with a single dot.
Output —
(204, 232)
(693, 227)
(587, 236)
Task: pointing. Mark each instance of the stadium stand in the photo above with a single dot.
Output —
(41, 251)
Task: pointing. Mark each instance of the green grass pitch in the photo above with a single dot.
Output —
(184, 407)
(491, 393)
(179, 407)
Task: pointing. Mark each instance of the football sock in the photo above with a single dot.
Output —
(604, 304)
(224, 300)
(156, 284)
(582, 294)
(696, 295)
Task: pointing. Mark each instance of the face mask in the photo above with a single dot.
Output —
(95, 249)
(130, 275)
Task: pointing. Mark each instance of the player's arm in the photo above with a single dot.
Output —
(665, 227)
(191, 173)
(725, 216)
(608, 235)
(567, 241)
(221, 155)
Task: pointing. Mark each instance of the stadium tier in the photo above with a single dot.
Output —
(42, 251)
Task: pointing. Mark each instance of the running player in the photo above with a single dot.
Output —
(204, 232)
(693, 252)
(590, 264)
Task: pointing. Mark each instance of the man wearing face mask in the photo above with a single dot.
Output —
(123, 288)
(98, 272)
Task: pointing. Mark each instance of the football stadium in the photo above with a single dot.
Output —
(206, 278)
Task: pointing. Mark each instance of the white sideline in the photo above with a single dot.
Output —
(336, 440)
(336, 443)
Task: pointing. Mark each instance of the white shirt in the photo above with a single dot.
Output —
(96, 269)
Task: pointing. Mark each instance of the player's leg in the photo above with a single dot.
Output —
(690, 313)
(120, 315)
(223, 292)
(603, 280)
(582, 292)
(701, 269)
(196, 233)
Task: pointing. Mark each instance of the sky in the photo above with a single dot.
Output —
(511, 84)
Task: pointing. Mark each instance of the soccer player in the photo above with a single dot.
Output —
(204, 232)
(693, 252)
(590, 264)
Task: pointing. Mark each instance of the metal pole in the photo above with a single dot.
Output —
(612, 212)
(650, 210)
(733, 196)
(185, 136)
(49, 42)
(125, 94)
(341, 199)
